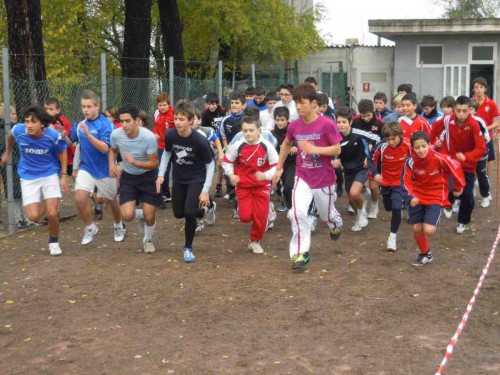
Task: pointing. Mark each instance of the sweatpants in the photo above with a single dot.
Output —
(302, 195)
(185, 204)
(253, 206)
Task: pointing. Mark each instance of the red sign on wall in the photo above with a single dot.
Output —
(366, 87)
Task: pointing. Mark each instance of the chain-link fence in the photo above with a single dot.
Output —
(116, 91)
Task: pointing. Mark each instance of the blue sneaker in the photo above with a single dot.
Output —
(188, 255)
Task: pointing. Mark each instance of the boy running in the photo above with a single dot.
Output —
(93, 136)
(138, 172)
(192, 173)
(425, 179)
(387, 166)
(250, 164)
(39, 169)
(318, 139)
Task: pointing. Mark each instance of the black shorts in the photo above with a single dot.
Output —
(354, 176)
(428, 214)
(491, 150)
(393, 197)
(142, 186)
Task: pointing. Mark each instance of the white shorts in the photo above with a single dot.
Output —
(106, 187)
(34, 191)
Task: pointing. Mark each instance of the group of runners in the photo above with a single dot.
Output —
(291, 141)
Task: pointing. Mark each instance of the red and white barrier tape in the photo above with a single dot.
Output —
(461, 326)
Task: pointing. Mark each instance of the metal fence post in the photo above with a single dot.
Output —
(171, 78)
(253, 75)
(104, 87)
(220, 80)
(10, 172)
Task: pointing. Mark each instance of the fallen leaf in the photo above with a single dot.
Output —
(9, 302)
(415, 295)
(28, 339)
(277, 362)
(10, 325)
(399, 337)
(71, 301)
(138, 356)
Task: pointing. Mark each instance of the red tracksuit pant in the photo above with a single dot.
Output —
(253, 206)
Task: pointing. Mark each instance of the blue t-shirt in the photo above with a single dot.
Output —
(93, 161)
(39, 155)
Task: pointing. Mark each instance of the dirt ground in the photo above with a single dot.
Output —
(356, 309)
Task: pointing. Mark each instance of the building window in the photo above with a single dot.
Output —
(455, 80)
(482, 53)
(430, 55)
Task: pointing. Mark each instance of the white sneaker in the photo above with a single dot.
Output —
(313, 222)
(485, 202)
(361, 222)
(120, 233)
(89, 234)
(55, 249)
(462, 228)
(373, 211)
(148, 247)
(351, 210)
(199, 225)
(226, 196)
(448, 212)
(272, 212)
(210, 214)
(255, 247)
(391, 242)
(456, 206)
(235, 214)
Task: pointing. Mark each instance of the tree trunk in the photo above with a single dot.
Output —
(171, 29)
(27, 63)
(136, 51)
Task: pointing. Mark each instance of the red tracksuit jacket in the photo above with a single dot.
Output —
(419, 123)
(163, 121)
(389, 161)
(427, 178)
(466, 138)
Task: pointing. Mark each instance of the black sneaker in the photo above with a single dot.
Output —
(423, 259)
(300, 260)
(163, 204)
(218, 191)
(98, 214)
(335, 233)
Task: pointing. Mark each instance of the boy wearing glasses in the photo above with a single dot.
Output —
(286, 100)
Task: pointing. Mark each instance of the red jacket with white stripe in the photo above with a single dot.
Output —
(389, 161)
(466, 138)
(427, 178)
(418, 124)
(244, 159)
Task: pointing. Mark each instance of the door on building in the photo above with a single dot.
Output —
(486, 71)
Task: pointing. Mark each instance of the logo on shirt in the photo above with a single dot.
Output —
(36, 151)
(434, 172)
(389, 157)
(420, 172)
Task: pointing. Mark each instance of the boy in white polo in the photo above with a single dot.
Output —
(93, 134)
(38, 168)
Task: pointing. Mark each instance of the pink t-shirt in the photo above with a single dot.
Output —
(315, 170)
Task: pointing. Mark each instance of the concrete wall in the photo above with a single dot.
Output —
(430, 80)
(373, 65)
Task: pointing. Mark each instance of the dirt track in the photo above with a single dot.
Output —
(357, 309)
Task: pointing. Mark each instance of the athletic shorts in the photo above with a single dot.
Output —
(33, 191)
(393, 197)
(139, 187)
(106, 187)
(491, 150)
(428, 214)
(354, 176)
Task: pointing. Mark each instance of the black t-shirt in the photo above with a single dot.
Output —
(213, 119)
(374, 125)
(189, 156)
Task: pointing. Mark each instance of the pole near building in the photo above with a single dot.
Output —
(220, 80)
(253, 75)
(171, 78)
(10, 172)
(104, 84)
